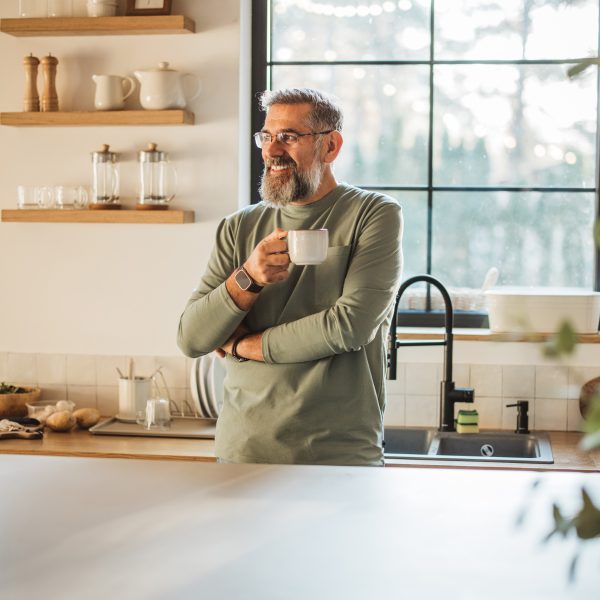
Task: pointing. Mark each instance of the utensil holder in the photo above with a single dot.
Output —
(133, 395)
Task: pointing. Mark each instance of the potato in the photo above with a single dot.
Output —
(86, 417)
(62, 420)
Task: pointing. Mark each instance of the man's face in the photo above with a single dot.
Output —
(292, 172)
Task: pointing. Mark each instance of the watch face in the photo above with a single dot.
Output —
(243, 280)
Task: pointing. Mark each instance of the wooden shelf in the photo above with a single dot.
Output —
(61, 26)
(98, 117)
(171, 216)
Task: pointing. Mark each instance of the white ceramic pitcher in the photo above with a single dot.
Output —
(111, 91)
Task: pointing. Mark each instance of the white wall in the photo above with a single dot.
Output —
(115, 289)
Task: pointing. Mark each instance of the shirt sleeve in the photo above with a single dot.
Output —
(211, 315)
(368, 293)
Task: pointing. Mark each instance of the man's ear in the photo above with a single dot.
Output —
(333, 147)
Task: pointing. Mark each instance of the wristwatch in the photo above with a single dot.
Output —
(245, 282)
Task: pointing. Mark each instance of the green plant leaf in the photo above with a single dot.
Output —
(562, 343)
(592, 417)
(582, 66)
(590, 441)
(561, 525)
(587, 521)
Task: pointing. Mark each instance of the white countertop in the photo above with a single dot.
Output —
(86, 528)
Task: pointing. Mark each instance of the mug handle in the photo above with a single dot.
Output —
(81, 197)
(131, 88)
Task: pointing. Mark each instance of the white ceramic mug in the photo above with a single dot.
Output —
(110, 91)
(308, 246)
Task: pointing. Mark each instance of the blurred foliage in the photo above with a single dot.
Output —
(586, 524)
(563, 343)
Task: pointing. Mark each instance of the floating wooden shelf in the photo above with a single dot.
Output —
(171, 216)
(61, 26)
(97, 117)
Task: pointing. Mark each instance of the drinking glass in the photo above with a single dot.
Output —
(33, 8)
(60, 8)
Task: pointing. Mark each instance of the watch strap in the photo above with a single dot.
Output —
(234, 351)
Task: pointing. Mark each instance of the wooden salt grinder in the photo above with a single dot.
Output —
(49, 95)
(31, 101)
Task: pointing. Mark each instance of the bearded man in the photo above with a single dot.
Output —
(304, 346)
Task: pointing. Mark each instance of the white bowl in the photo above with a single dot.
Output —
(542, 310)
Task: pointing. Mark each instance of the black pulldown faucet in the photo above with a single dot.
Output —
(449, 393)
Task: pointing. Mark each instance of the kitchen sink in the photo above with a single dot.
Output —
(405, 440)
(419, 443)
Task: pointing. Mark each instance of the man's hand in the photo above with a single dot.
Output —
(269, 261)
(241, 329)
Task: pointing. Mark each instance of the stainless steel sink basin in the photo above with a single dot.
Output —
(408, 440)
(502, 446)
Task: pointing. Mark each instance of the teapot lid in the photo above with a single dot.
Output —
(151, 154)
(162, 66)
(103, 155)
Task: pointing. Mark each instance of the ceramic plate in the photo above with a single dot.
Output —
(216, 379)
(203, 370)
(194, 386)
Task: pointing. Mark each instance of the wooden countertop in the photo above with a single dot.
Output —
(567, 455)
(97, 529)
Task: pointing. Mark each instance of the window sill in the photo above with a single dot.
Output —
(484, 335)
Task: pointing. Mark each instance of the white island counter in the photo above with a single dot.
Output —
(84, 528)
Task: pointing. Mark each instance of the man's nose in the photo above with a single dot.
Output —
(273, 148)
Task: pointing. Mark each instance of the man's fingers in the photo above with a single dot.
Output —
(278, 234)
(281, 275)
(278, 260)
(275, 246)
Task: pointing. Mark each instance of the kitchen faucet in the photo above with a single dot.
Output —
(449, 394)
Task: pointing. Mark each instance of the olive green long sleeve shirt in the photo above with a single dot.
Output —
(319, 397)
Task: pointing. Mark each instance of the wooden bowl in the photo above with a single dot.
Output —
(14, 405)
(588, 391)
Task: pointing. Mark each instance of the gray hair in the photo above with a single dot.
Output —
(325, 114)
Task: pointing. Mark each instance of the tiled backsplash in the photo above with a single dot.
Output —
(413, 398)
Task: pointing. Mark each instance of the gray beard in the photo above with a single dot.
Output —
(298, 186)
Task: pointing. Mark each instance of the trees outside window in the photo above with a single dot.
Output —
(463, 111)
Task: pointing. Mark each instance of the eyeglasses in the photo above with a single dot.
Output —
(288, 138)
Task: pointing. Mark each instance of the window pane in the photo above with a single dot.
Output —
(513, 125)
(414, 240)
(515, 29)
(350, 30)
(532, 238)
(385, 118)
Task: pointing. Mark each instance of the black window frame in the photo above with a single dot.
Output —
(262, 64)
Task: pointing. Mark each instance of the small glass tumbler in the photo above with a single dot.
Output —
(27, 196)
(45, 197)
(71, 197)
(33, 8)
(158, 414)
(60, 8)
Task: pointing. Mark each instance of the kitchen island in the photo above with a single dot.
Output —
(567, 455)
(76, 528)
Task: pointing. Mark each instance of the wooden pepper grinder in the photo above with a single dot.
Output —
(49, 95)
(31, 101)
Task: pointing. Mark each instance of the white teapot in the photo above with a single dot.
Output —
(163, 88)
